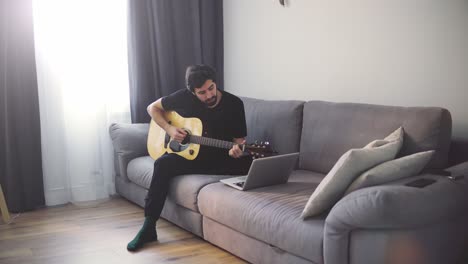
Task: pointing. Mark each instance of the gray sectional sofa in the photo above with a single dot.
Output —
(381, 224)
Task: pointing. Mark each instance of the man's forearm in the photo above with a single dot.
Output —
(158, 116)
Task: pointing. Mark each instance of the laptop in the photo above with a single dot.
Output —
(264, 172)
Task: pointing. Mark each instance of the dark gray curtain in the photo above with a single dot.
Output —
(166, 36)
(20, 138)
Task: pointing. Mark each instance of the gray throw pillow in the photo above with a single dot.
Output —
(392, 170)
(347, 168)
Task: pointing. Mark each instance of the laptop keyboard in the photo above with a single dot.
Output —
(240, 184)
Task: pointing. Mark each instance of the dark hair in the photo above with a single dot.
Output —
(197, 75)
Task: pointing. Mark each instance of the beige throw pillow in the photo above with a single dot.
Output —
(396, 135)
(347, 168)
(392, 170)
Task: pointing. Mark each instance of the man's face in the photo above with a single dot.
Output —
(207, 94)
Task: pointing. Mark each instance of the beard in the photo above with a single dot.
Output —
(212, 101)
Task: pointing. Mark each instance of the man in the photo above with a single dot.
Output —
(223, 117)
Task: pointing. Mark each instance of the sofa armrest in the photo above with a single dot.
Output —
(129, 141)
(459, 169)
(393, 207)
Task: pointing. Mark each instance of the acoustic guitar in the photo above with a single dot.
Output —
(159, 142)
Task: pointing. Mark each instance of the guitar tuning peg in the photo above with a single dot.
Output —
(267, 143)
(261, 142)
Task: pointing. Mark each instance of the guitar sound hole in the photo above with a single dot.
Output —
(178, 147)
(186, 140)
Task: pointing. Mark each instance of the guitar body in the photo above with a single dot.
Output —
(159, 141)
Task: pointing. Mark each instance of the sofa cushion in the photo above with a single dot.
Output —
(184, 188)
(330, 129)
(349, 166)
(392, 170)
(278, 122)
(270, 214)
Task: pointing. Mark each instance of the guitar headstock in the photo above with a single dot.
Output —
(260, 149)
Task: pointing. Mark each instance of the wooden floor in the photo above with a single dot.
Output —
(98, 233)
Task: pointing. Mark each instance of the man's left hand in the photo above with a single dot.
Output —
(235, 151)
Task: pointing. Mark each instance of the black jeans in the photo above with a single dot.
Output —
(171, 165)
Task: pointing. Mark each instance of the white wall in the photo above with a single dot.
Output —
(393, 52)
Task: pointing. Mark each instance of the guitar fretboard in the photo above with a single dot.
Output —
(211, 142)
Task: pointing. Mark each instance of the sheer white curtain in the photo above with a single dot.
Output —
(81, 57)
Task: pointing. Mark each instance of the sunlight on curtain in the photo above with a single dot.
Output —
(81, 57)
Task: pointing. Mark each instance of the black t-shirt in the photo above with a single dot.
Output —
(226, 121)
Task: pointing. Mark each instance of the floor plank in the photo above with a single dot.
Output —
(97, 232)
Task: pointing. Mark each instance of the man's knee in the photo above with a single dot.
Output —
(168, 164)
(165, 160)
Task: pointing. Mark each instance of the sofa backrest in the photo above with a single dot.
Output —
(278, 122)
(330, 129)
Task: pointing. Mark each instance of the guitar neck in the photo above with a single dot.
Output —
(211, 142)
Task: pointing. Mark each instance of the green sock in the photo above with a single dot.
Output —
(146, 234)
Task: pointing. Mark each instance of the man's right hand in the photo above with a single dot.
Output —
(178, 134)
